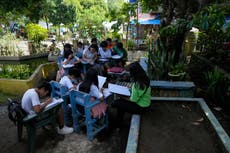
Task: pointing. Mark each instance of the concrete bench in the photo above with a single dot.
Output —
(172, 88)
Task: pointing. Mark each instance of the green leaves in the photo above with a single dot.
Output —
(36, 33)
(217, 85)
(20, 71)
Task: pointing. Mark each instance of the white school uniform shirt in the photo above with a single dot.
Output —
(72, 61)
(65, 80)
(94, 91)
(88, 54)
(80, 50)
(105, 54)
(29, 100)
(62, 52)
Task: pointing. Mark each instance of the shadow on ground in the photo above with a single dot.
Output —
(47, 141)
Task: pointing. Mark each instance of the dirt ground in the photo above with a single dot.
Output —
(47, 141)
(177, 127)
(166, 128)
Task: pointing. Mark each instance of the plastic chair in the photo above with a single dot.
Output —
(93, 125)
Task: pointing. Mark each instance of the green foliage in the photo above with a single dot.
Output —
(217, 86)
(210, 22)
(210, 18)
(20, 71)
(23, 70)
(151, 5)
(131, 44)
(169, 31)
(177, 68)
(62, 13)
(9, 49)
(160, 63)
(36, 33)
(90, 15)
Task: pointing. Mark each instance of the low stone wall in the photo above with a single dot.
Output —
(18, 87)
(19, 58)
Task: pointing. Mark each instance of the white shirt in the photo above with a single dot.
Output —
(94, 91)
(80, 50)
(29, 100)
(65, 80)
(62, 52)
(88, 54)
(105, 54)
(72, 61)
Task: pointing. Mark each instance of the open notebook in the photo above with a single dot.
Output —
(122, 90)
(101, 81)
(54, 102)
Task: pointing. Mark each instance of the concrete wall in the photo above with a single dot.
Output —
(18, 87)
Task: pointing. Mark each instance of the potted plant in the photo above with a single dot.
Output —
(177, 72)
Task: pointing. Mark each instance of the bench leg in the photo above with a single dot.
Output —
(20, 128)
(31, 131)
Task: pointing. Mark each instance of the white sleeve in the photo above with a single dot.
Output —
(99, 51)
(62, 52)
(76, 58)
(35, 99)
(66, 82)
(94, 91)
(85, 51)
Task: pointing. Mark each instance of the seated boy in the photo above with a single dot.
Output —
(31, 104)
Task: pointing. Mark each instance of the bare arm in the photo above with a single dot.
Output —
(41, 107)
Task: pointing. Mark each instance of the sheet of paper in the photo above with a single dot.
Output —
(106, 93)
(54, 102)
(122, 90)
(116, 57)
(68, 66)
(101, 81)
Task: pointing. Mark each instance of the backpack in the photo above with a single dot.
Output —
(15, 111)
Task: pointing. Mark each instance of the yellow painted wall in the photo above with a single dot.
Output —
(18, 87)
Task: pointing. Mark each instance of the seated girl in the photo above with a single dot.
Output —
(72, 79)
(70, 59)
(90, 86)
(140, 99)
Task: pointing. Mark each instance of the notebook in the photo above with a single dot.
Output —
(54, 102)
(118, 89)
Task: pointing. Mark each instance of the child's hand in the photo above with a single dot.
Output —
(70, 56)
(49, 100)
(92, 98)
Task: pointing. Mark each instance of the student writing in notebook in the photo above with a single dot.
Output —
(31, 104)
(139, 100)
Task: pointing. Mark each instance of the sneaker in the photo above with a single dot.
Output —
(65, 130)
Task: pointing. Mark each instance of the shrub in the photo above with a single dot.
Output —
(217, 86)
(36, 33)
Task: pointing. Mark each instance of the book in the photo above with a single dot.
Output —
(68, 65)
(54, 102)
(101, 81)
(118, 89)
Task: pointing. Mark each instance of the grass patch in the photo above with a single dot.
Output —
(3, 98)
